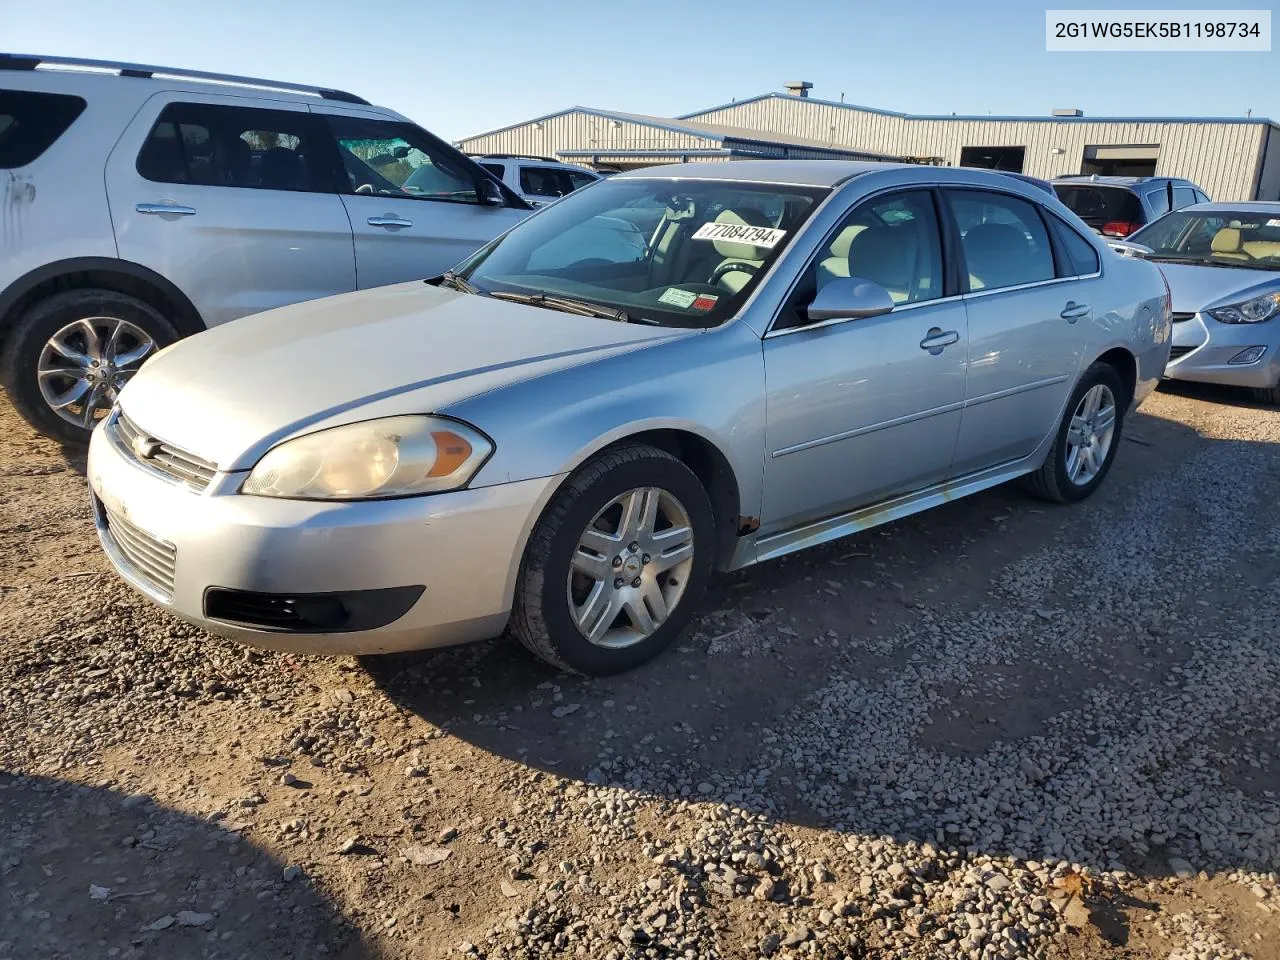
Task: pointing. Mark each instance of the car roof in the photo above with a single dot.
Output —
(1241, 206)
(805, 173)
(1078, 179)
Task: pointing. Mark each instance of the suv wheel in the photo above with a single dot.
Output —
(1087, 439)
(616, 566)
(66, 359)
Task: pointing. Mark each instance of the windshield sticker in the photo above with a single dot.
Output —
(1273, 223)
(677, 297)
(704, 301)
(766, 237)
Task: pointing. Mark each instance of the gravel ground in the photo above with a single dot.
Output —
(1001, 729)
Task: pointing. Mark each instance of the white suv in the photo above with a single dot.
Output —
(540, 180)
(142, 204)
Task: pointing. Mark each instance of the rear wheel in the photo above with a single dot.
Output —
(68, 357)
(616, 566)
(1087, 439)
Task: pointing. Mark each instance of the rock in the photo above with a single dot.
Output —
(866, 885)
(630, 935)
(135, 800)
(98, 893)
(767, 889)
(289, 780)
(705, 788)
(822, 875)
(415, 771)
(1076, 915)
(769, 944)
(508, 890)
(163, 923)
(189, 918)
(564, 711)
(998, 882)
(447, 834)
(426, 856)
(897, 871)
(1181, 868)
(796, 936)
(290, 873)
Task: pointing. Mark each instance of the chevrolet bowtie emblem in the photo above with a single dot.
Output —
(145, 447)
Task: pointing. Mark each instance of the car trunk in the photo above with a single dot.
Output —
(1100, 206)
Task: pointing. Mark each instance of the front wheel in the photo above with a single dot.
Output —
(616, 566)
(1267, 395)
(1087, 438)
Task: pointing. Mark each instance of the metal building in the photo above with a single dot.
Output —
(1231, 158)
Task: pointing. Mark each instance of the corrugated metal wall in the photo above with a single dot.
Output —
(582, 131)
(1223, 158)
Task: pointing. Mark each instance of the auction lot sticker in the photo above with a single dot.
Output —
(766, 237)
(1157, 31)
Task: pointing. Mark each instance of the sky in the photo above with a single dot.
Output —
(464, 68)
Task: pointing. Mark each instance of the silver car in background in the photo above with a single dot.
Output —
(1222, 262)
(679, 370)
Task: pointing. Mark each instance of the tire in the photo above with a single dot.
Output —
(25, 356)
(1053, 481)
(543, 614)
(1267, 395)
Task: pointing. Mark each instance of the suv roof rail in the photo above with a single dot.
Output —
(27, 61)
(515, 156)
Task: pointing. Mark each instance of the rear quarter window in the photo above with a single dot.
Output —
(31, 122)
(1097, 206)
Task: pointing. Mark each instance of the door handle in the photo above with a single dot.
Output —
(163, 209)
(1073, 311)
(389, 221)
(937, 338)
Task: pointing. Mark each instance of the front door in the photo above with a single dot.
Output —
(861, 410)
(414, 209)
(233, 201)
(1027, 324)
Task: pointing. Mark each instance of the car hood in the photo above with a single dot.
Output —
(1196, 288)
(231, 393)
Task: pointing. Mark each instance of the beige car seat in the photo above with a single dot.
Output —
(1226, 244)
(733, 252)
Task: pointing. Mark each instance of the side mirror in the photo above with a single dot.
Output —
(490, 195)
(1128, 248)
(849, 299)
(400, 152)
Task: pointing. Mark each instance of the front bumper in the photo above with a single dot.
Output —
(174, 544)
(1203, 347)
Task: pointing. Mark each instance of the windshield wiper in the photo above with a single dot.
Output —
(569, 305)
(451, 279)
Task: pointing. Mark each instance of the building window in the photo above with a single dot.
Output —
(1009, 159)
(1121, 160)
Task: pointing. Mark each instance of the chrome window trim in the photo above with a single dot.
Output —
(975, 294)
(898, 308)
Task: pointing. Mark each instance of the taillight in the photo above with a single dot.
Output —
(1119, 228)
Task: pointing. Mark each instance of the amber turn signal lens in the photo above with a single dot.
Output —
(452, 452)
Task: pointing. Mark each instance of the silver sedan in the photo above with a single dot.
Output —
(674, 371)
(1222, 262)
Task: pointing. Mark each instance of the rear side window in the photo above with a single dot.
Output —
(1082, 258)
(1183, 197)
(1098, 206)
(215, 146)
(1003, 239)
(31, 122)
(580, 180)
(545, 182)
(1158, 201)
(497, 169)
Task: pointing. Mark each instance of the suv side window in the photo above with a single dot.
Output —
(387, 158)
(31, 122)
(544, 182)
(1158, 201)
(1200, 197)
(497, 169)
(218, 146)
(1183, 197)
(1082, 258)
(1003, 239)
(580, 180)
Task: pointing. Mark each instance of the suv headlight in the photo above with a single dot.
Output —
(1251, 311)
(392, 457)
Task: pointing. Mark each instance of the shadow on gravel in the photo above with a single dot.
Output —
(1213, 393)
(821, 689)
(88, 872)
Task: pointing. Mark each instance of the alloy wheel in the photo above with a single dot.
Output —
(1090, 434)
(630, 567)
(83, 366)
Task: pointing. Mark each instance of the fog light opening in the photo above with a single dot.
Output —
(1249, 355)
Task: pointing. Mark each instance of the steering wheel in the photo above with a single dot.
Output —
(733, 266)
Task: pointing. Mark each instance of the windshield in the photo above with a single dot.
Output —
(682, 253)
(1233, 238)
(1098, 206)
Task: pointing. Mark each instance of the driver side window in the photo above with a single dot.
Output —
(383, 158)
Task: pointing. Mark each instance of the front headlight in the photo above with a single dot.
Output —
(1251, 311)
(393, 457)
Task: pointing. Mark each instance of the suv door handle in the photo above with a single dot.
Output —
(389, 221)
(162, 209)
(937, 338)
(1073, 311)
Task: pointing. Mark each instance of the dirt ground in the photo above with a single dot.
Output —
(997, 729)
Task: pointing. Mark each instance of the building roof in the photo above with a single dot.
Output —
(801, 173)
(952, 116)
(729, 137)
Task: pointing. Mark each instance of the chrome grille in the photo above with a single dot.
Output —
(1182, 317)
(167, 459)
(149, 558)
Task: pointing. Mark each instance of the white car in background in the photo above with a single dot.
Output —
(539, 180)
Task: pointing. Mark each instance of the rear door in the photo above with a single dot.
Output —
(414, 205)
(1026, 337)
(231, 200)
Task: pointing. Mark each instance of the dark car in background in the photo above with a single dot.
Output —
(1117, 206)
